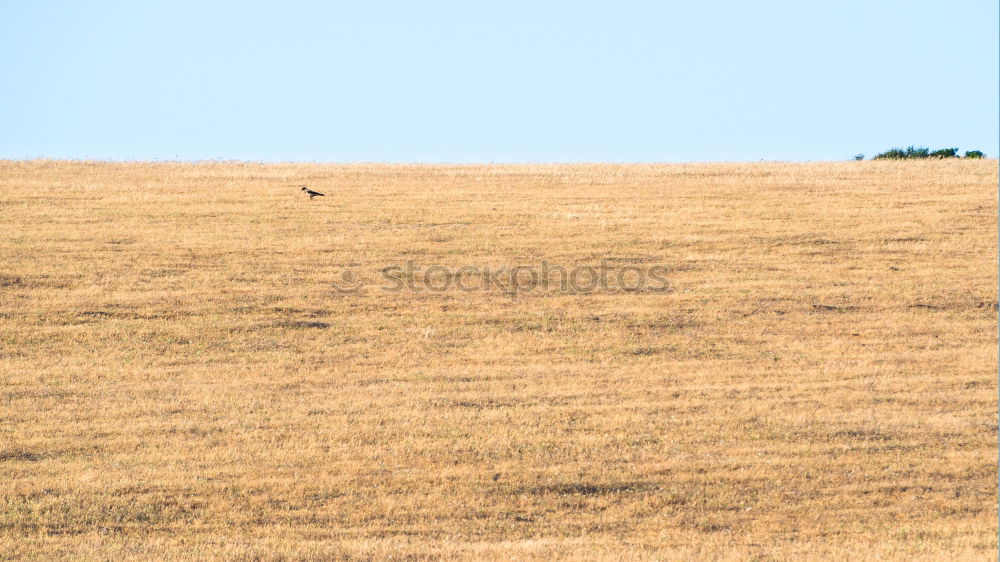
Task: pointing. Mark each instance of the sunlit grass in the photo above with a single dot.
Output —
(181, 380)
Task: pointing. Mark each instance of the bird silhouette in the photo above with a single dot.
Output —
(312, 193)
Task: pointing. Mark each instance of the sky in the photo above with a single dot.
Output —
(511, 81)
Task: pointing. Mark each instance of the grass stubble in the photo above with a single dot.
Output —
(179, 379)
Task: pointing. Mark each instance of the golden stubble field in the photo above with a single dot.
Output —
(179, 378)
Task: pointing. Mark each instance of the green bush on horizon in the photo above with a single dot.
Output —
(911, 153)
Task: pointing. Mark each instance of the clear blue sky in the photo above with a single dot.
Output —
(495, 81)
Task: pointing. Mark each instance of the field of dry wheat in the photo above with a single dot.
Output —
(185, 375)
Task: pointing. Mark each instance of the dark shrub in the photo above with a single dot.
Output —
(974, 154)
(923, 152)
(894, 154)
(945, 153)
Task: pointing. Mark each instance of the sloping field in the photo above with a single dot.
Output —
(197, 362)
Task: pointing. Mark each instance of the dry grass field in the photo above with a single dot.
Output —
(180, 378)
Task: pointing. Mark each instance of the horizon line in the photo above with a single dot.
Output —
(452, 163)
